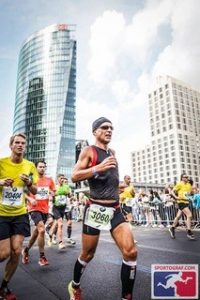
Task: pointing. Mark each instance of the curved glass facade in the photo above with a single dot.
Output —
(46, 97)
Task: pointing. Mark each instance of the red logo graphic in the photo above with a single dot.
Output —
(187, 284)
(62, 27)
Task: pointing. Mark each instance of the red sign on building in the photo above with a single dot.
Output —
(62, 27)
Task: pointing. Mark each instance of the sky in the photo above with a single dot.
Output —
(122, 46)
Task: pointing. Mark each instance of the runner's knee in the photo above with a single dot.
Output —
(87, 256)
(16, 252)
(41, 229)
(60, 223)
(130, 254)
(5, 253)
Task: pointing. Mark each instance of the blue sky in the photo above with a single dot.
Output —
(122, 45)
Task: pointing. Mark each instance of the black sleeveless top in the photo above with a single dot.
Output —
(105, 185)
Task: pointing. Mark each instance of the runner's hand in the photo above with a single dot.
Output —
(25, 178)
(6, 182)
(108, 163)
(33, 201)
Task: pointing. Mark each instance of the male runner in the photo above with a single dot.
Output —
(98, 164)
(126, 195)
(38, 208)
(68, 215)
(17, 175)
(59, 206)
(126, 198)
(182, 188)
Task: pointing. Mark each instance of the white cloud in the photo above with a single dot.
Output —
(122, 91)
(105, 44)
(4, 146)
(113, 42)
(181, 58)
(126, 58)
(141, 34)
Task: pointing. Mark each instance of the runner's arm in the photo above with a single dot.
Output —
(173, 194)
(83, 170)
(31, 200)
(6, 182)
(52, 190)
(28, 182)
(51, 195)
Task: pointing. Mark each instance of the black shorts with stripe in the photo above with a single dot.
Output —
(14, 225)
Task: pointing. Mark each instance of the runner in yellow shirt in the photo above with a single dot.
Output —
(17, 176)
(180, 192)
(126, 194)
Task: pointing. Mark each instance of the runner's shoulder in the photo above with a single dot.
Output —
(48, 177)
(87, 151)
(4, 159)
(28, 162)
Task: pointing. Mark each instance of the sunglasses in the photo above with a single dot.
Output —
(106, 127)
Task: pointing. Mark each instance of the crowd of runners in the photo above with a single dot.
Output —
(28, 194)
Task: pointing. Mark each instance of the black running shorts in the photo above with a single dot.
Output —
(58, 212)
(126, 209)
(38, 216)
(68, 215)
(181, 206)
(10, 226)
(117, 219)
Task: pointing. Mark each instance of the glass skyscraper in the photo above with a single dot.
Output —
(46, 97)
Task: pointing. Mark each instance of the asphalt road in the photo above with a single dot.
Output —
(101, 279)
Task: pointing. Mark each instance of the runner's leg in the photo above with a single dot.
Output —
(124, 240)
(16, 249)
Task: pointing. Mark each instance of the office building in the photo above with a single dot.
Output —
(46, 97)
(174, 112)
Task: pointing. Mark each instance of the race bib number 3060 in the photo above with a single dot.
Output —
(12, 196)
(99, 217)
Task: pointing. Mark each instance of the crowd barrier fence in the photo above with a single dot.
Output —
(159, 214)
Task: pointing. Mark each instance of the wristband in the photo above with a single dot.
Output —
(30, 183)
(94, 172)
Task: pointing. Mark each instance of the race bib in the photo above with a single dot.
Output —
(129, 202)
(68, 205)
(42, 193)
(60, 200)
(99, 217)
(12, 196)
